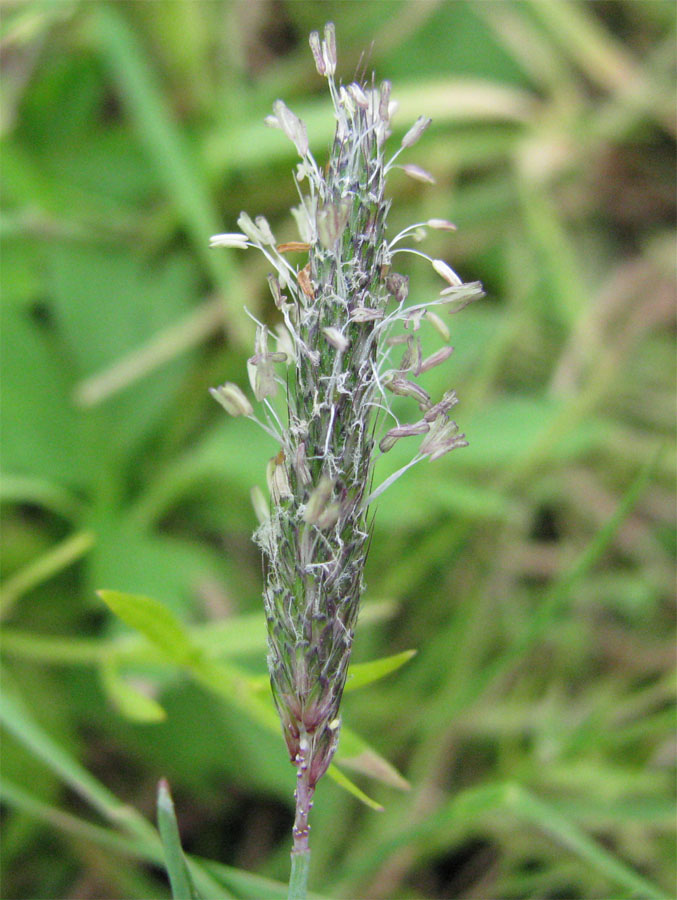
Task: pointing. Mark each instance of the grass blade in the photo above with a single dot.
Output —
(179, 876)
(361, 674)
(550, 820)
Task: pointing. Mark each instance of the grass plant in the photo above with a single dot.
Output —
(516, 639)
(339, 314)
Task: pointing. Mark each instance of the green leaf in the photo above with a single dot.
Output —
(140, 838)
(248, 693)
(361, 674)
(345, 782)
(155, 622)
(179, 876)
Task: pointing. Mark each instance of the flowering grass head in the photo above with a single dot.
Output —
(345, 318)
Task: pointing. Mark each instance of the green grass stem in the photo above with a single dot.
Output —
(298, 880)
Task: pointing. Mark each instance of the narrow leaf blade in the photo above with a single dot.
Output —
(337, 775)
(361, 674)
(179, 876)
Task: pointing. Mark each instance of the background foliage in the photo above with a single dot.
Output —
(533, 571)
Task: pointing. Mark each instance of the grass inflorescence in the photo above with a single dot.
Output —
(340, 312)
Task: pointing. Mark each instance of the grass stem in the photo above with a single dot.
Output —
(298, 880)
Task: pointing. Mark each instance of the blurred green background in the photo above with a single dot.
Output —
(533, 571)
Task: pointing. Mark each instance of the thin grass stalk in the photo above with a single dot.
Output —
(298, 879)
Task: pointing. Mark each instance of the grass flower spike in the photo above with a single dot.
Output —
(342, 312)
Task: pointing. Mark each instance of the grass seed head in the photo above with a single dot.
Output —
(339, 310)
